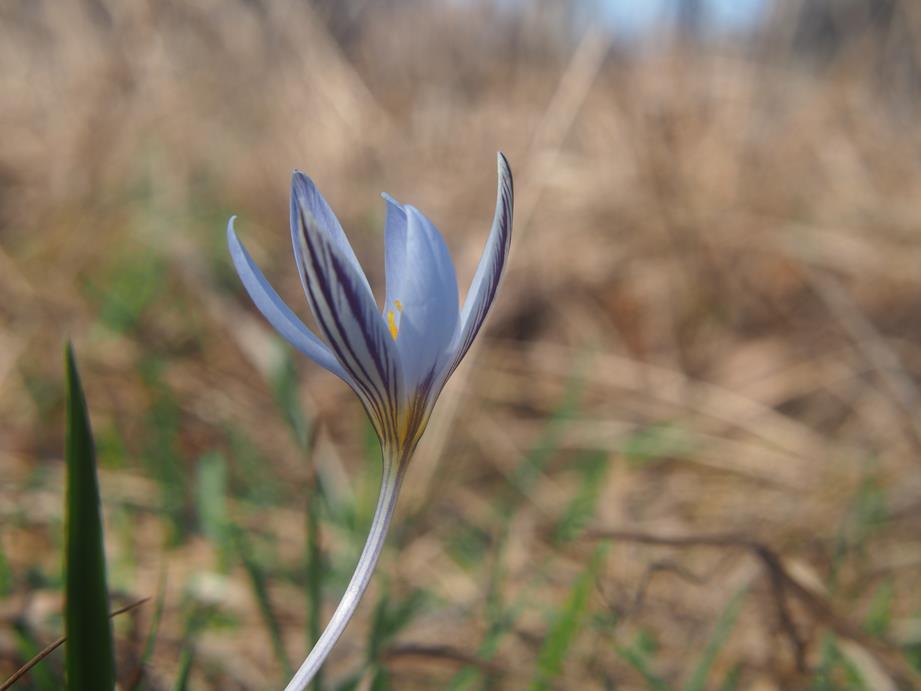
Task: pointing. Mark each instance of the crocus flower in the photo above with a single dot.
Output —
(396, 360)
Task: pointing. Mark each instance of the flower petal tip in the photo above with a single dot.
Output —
(505, 170)
(232, 239)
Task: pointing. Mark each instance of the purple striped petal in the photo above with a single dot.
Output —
(347, 315)
(422, 303)
(490, 269)
(276, 311)
(304, 194)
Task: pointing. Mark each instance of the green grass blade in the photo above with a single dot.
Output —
(582, 506)
(44, 676)
(6, 574)
(186, 657)
(90, 651)
(211, 504)
(879, 614)
(567, 625)
(391, 616)
(261, 591)
(731, 682)
(539, 456)
(154, 631)
(637, 660)
(727, 620)
(284, 388)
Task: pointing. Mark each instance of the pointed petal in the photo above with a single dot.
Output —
(422, 282)
(394, 246)
(276, 311)
(304, 194)
(347, 314)
(491, 267)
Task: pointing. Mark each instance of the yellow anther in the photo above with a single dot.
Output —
(392, 324)
(398, 305)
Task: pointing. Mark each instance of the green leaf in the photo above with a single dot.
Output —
(90, 651)
(731, 682)
(211, 500)
(835, 671)
(284, 388)
(567, 625)
(45, 676)
(259, 583)
(391, 616)
(381, 681)
(535, 462)
(155, 620)
(879, 614)
(186, 657)
(582, 507)
(126, 292)
(655, 442)
(162, 425)
(637, 657)
(6, 574)
(698, 680)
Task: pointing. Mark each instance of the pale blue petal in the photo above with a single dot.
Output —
(304, 194)
(394, 246)
(276, 311)
(347, 315)
(490, 269)
(421, 277)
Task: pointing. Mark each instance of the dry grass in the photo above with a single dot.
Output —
(715, 262)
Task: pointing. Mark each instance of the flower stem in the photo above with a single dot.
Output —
(391, 478)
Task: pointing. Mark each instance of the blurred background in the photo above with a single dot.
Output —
(685, 453)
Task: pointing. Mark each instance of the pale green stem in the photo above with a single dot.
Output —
(391, 478)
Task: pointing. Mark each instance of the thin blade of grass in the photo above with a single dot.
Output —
(284, 388)
(567, 625)
(90, 651)
(42, 677)
(6, 574)
(211, 503)
(186, 657)
(638, 661)
(390, 617)
(731, 682)
(535, 461)
(260, 590)
(581, 508)
(33, 664)
(501, 618)
(724, 626)
(151, 641)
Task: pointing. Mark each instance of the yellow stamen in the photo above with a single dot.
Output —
(398, 305)
(392, 324)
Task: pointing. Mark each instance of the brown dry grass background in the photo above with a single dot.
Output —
(714, 287)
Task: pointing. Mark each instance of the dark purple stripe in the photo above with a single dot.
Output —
(372, 341)
(374, 397)
(368, 398)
